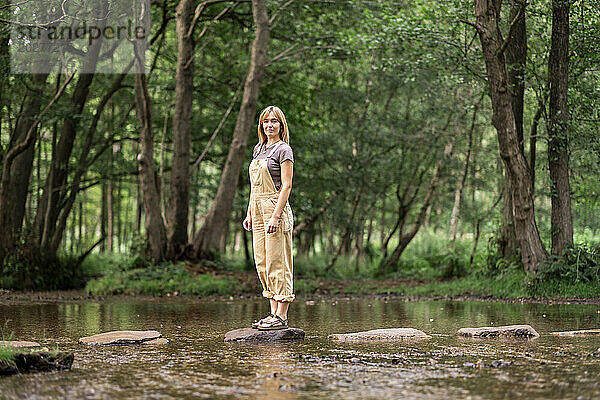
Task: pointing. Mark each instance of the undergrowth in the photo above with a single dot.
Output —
(131, 276)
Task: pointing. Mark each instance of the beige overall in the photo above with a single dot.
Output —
(272, 251)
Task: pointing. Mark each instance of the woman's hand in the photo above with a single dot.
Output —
(247, 224)
(273, 225)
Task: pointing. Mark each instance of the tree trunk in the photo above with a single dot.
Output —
(56, 182)
(558, 157)
(345, 238)
(516, 58)
(182, 127)
(533, 143)
(508, 245)
(17, 172)
(461, 184)
(155, 229)
(210, 236)
(103, 213)
(56, 188)
(110, 215)
(406, 238)
(503, 119)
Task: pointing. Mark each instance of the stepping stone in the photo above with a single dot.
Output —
(393, 334)
(586, 332)
(123, 338)
(37, 362)
(525, 331)
(20, 344)
(254, 335)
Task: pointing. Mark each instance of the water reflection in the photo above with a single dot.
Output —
(197, 363)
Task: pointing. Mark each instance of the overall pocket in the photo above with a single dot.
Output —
(255, 175)
(286, 219)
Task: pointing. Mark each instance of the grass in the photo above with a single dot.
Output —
(130, 278)
(7, 355)
(431, 266)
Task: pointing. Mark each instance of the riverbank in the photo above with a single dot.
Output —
(408, 290)
(424, 272)
(231, 279)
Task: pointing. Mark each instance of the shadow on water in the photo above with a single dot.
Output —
(197, 363)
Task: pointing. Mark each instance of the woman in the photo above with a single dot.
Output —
(269, 215)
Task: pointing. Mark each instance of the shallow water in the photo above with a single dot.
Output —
(198, 364)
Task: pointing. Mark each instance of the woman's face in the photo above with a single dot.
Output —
(271, 126)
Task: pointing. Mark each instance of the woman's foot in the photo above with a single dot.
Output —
(273, 324)
(255, 324)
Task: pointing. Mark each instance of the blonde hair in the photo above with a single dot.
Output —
(284, 133)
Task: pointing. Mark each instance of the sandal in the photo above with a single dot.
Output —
(255, 324)
(273, 325)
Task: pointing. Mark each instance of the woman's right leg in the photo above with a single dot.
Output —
(274, 306)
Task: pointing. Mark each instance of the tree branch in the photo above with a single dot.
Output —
(512, 28)
(18, 149)
(214, 135)
(287, 52)
(474, 25)
(203, 5)
(276, 13)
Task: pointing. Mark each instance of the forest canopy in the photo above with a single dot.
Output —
(469, 121)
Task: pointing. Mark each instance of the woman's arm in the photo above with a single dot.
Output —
(247, 224)
(287, 173)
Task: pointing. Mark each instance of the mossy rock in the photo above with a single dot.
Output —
(37, 362)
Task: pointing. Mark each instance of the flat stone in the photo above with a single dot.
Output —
(37, 362)
(17, 343)
(254, 335)
(393, 334)
(121, 338)
(525, 331)
(585, 332)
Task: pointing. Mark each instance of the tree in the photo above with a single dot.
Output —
(55, 192)
(210, 237)
(155, 228)
(516, 58)
(182, 130)
(558, 156)
(503, 119)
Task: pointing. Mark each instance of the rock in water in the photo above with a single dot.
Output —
(37, 361)
(586, 332)
(254, 335)
(393, 334)
(524, 331)
(20, 344)
(122, 338)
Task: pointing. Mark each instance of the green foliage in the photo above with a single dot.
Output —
(131, 279)
(575, 274)
(495, 264)
(28, 269)
(305, 286)
(508, 285)
(371, 91)
(7, 354)
(433, 256)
